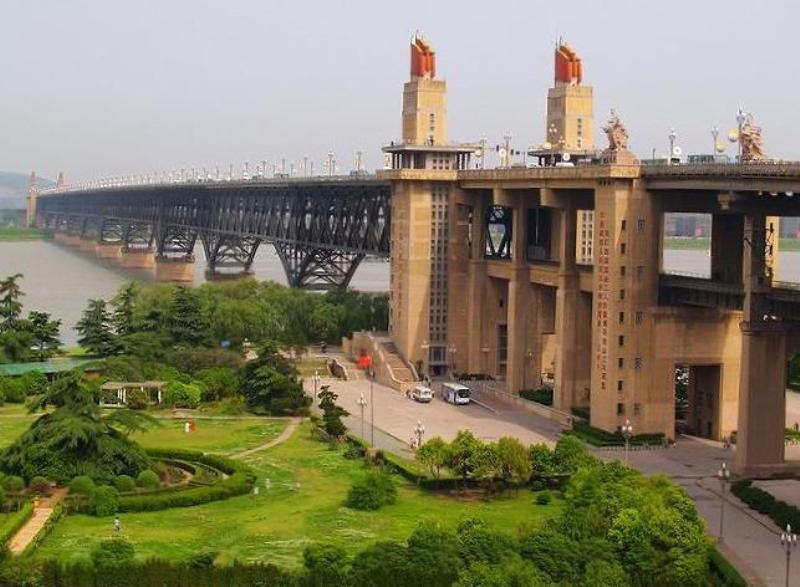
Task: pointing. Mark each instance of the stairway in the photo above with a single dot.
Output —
(396, 363)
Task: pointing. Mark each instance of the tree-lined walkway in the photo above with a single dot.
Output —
(31, 528)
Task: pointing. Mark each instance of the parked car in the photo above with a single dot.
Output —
(423, 394)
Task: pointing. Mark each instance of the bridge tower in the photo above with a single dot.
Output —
(424, 99)
(570, 105)
(423, 169)
(33, 192)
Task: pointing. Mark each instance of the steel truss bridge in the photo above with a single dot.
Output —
(321, 228)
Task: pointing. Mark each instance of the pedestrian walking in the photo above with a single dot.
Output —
(117, 526)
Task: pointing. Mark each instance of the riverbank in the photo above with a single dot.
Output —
(704, 244)
(10, 234)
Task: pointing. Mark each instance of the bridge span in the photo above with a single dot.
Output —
(321, 228)
(526, 275)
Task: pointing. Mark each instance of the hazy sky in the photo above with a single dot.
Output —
(105, 87)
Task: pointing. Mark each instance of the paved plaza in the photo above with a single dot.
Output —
(751, 540)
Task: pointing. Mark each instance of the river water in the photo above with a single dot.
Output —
(59, 279)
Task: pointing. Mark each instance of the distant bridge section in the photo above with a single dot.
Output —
(321, 228)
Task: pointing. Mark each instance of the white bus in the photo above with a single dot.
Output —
(455, 393)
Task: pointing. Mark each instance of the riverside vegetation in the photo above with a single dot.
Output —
(327, 513)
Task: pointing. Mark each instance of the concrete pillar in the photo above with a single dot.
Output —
(216, 275)
(762, 377)
(727, 234)
(71, 240)
(87, 245)
(108, 250)
(565, 391)
(477, 282)
(136, 258)
(519, 300)
(762, 403)
(175, 270)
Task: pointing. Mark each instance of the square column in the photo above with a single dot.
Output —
(760, 448)
(565, 392)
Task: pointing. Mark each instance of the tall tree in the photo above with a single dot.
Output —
(124, 304)
(77, 437)
(186, 322)
(270, 383)
(95, 329)
(44, 334)
(10, 305)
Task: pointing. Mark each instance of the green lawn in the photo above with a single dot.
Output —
(14, 233)
(14, 420)
(278, 523)
(222, 436)
(308, 366)
(687, 243)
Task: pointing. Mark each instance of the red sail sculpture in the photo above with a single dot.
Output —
(423, 59)
(568, 65)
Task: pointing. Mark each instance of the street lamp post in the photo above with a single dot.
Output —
(672, 136)
(714, 136)
(528, 357)
(316, 383)
(627, 433)
(419, 432)
(425, 357)
(485, 356)
(788, 541)
(483, 143)
(371, 406)
(362, 403)
(723, 475)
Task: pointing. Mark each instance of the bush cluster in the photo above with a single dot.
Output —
(375, 490)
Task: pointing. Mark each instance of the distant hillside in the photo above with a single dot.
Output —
(14, 188)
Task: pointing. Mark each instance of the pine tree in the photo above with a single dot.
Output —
(124, 304)
(10, 306)
(186, 322)
(95, 329)
(44, 333)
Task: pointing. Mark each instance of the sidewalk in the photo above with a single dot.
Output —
(36, 522)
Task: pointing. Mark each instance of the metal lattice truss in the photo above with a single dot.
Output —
(499, 223)
(321, 229)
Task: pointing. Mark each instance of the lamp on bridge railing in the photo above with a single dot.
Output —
(714, 136)
(672, 136)
(331, 163)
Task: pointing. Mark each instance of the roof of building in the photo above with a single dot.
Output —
(46, 367)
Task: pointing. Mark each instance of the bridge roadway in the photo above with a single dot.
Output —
(321, 227)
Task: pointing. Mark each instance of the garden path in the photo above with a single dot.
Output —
(36, 522)
(282, 437)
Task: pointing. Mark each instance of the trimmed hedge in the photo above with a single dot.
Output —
(240, 480)
(543, 395)
(15, 522)
(725, 573)
(779, 512)
(597, 437)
